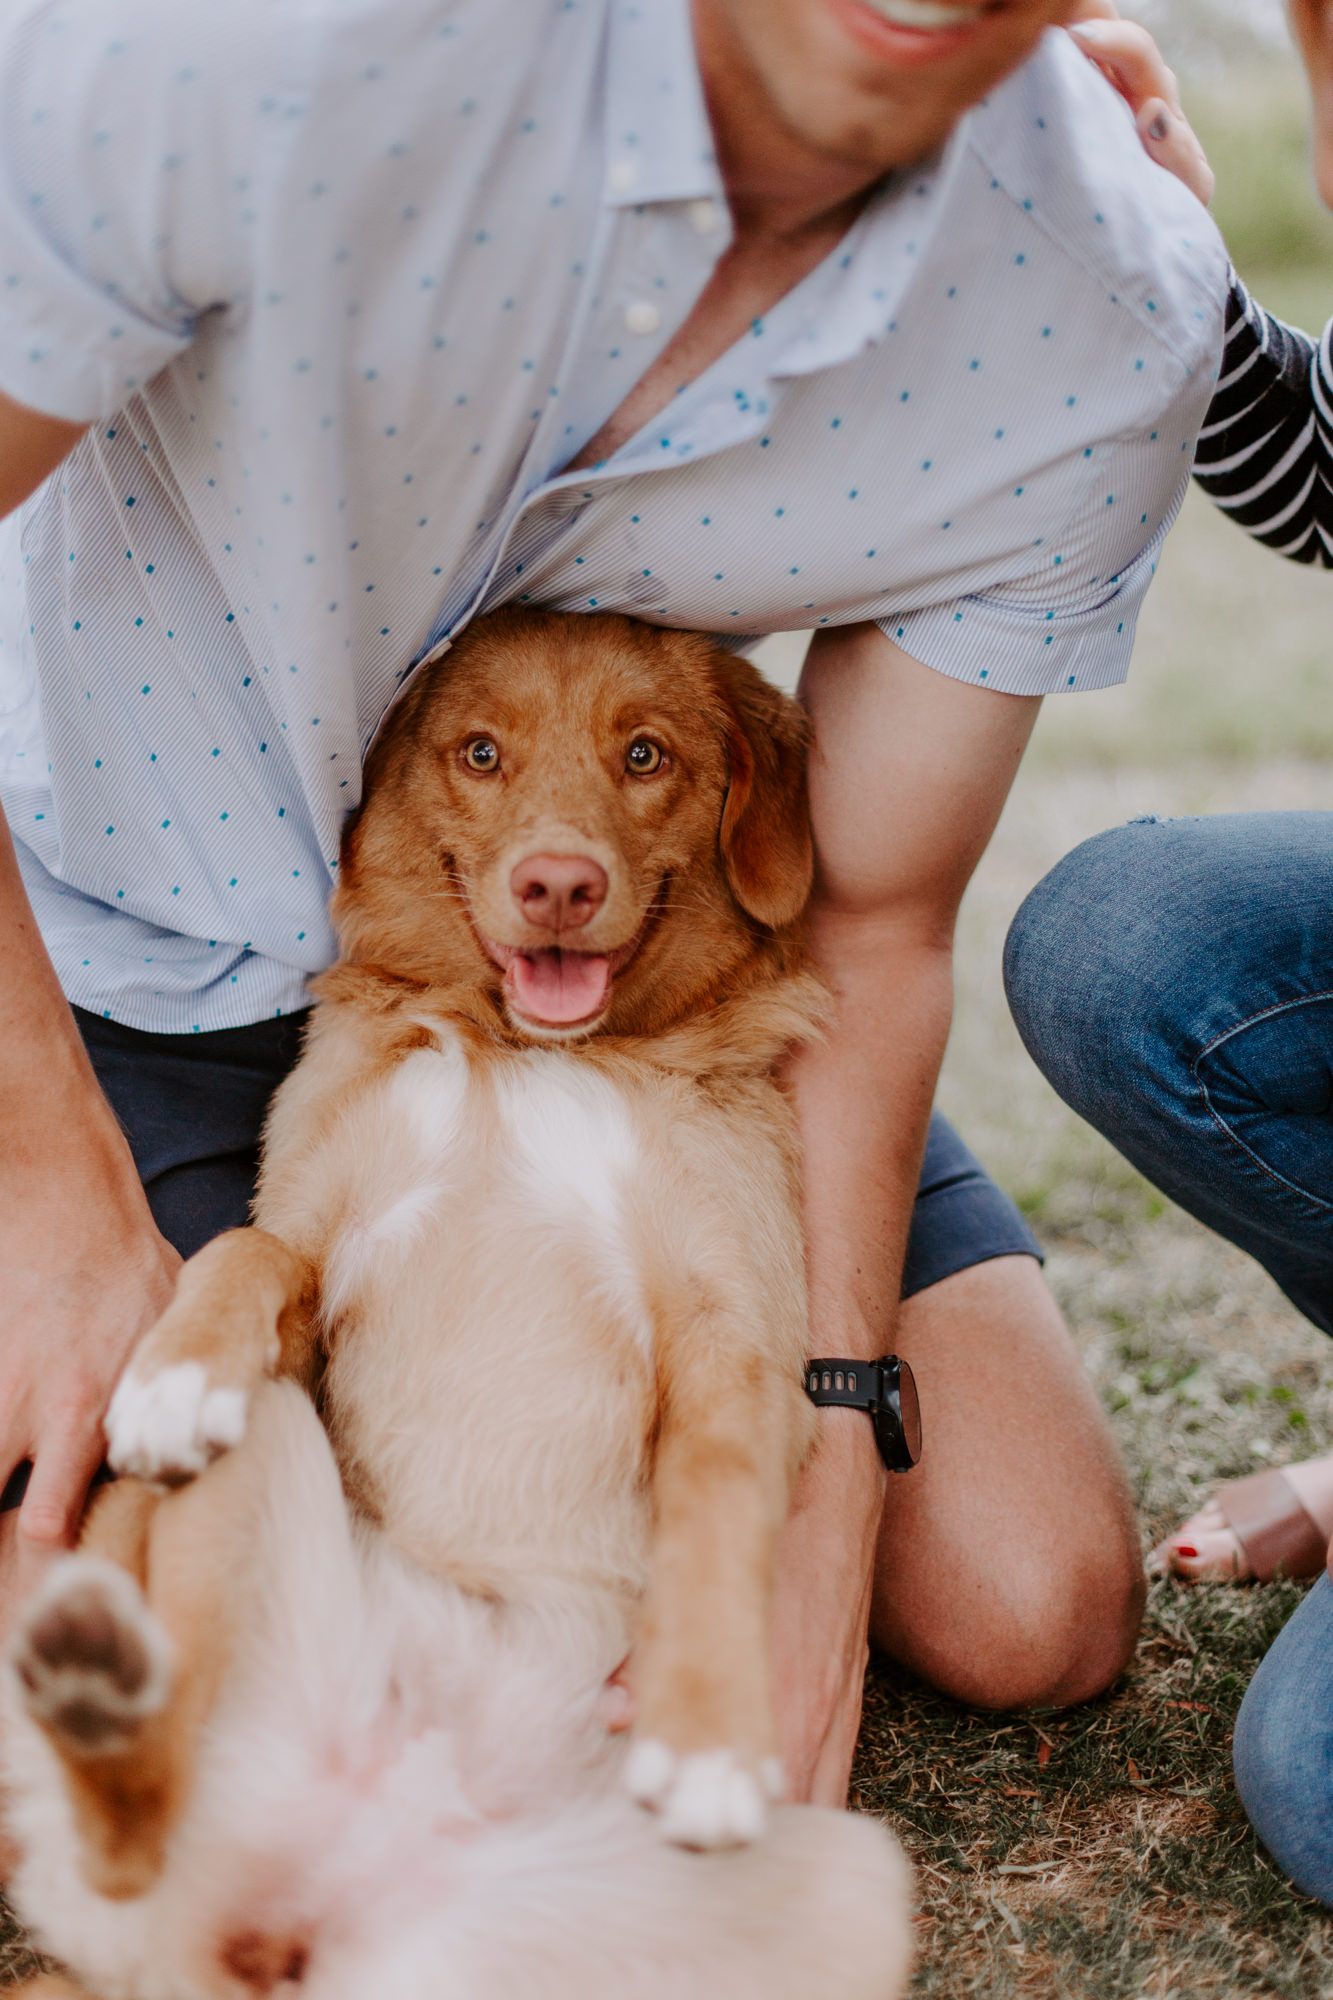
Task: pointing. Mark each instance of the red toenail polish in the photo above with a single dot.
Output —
(1183, 1549)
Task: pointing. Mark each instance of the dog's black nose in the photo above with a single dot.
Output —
(558, 892)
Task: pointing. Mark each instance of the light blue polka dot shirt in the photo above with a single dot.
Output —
(343, 287)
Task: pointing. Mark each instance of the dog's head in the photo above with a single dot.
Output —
(598, 821)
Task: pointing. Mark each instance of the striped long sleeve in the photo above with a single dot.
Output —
(1265, 453)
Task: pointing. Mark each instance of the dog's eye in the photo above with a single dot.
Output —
(481, 754)
(642, 757)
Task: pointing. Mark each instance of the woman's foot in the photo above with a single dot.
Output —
(1270, 1522)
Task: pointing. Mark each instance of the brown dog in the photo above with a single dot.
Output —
(528, 1224)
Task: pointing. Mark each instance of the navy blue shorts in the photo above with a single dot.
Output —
(192, 1108)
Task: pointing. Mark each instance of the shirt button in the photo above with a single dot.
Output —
(643, 317)
(622, 176)
(706, 217)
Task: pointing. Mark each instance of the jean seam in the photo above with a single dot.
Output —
(1264, 1014)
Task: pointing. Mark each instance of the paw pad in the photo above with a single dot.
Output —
(91, 1660)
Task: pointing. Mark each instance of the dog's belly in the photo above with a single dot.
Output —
(491, 1386)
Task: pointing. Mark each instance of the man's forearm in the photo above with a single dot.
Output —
(44, 1070)
(863, 1101)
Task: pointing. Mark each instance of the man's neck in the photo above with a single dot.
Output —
(777, 184)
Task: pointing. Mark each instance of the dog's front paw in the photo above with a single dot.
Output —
(92, 1662)
(169, 1426)
(705, 1798)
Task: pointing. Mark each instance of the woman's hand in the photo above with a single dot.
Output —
(1130, 59)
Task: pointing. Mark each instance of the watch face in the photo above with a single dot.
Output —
(898, 1418)
(909, 1411)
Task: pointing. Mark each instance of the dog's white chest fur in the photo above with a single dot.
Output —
(492, 1211)
(541, 1136)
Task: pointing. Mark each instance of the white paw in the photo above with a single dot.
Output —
(706, 1798)
(91, 1660)
(168, 1427)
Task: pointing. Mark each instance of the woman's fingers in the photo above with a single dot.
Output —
(1131, 61)
(1130, 58)
(1169, 139)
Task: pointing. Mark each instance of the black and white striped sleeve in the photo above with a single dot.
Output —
(1265, 453)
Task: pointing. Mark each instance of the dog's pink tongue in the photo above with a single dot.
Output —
(559, 986)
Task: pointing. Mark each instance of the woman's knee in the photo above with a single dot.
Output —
(1088, 964)
(1157, 936)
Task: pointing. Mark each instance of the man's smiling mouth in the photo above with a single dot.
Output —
(926, 14)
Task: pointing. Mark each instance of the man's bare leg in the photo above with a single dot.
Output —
(1008, 1572)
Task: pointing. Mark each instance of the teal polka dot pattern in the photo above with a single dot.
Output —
(342, 289)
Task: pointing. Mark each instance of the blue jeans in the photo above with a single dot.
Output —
(1173, 979)
(1283, 1749)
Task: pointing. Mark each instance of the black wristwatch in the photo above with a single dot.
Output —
(886, 1389)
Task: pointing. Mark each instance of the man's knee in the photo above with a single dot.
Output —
(1046, 1629)
(1059, 1640)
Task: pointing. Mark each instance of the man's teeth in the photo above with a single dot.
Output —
(925, 13)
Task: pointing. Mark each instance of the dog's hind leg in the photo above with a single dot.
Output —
(120, 1653)
(733, 1430)
(244, 1308)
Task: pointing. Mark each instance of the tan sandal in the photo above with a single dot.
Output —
(1275, 1531)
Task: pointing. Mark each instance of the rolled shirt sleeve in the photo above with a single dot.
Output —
(1068, 623)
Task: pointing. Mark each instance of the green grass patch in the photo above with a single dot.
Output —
(1100, 1852)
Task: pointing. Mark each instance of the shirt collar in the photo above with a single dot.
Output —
(659, 142)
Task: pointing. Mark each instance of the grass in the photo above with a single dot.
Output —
(1099, 1852)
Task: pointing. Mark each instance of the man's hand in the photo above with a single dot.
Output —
(821, 1608)
(1130, 59)
(85, 1274)
(85, 1270)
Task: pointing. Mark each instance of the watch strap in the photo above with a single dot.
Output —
(850, 1385)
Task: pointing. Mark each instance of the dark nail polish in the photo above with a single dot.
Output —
(1159, 128)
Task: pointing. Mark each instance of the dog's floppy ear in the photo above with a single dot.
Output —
(765, 833)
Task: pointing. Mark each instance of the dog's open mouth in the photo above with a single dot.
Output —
(552, 986)
(559, 988)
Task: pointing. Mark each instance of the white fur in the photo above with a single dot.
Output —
(573, 1133)
(706, 1799)
(420, 1789)
(424, 1105)
(170, 1426)
(578, 1153)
